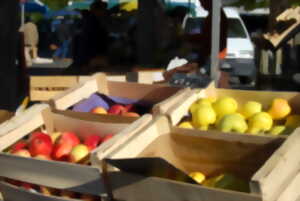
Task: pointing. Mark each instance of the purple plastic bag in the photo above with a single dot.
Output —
(100, 100)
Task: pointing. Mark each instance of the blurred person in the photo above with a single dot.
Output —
(94, 38)
(9, 71)
(203, 40)
(202, 43)
(31, 38)
(63, 35)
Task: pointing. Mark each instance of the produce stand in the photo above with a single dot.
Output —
(78, 178)
(258, 159)
(158, 97)
(43, 88)
(148, 158)
(180, 110)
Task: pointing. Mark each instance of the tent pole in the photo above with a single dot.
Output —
(215, 42)
(22, 14)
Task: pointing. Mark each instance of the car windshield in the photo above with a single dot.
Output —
(235, 27)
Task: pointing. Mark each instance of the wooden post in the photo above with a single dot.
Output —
(215, 40)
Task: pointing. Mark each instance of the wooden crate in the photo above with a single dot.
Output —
(159, 95)
(43, 88)
(269, 164)
(54, 174)
(181, 109)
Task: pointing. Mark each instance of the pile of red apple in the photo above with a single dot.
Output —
(53, 192)
(117, 109)
(65, 146)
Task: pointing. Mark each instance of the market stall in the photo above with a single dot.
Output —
(127, 137)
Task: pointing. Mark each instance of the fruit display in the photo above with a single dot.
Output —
(225, 114)
(225, 181)
(58, 146)
(102, 104)
(118, 109)
(47, 191)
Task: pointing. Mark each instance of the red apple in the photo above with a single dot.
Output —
(68, 137)
(129, 108)
(130, 114)
(23, 153)
(99, 110)
(27, 186)
(13, 182)
(36, 134)
(67, 194)
(19, 145)
(41, 145)
(92, 141)
(116, 109)
(61, 151)
(107, 137)
(78, 153)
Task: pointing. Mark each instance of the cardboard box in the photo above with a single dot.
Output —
(181, 109)
(269, 164)
(54, 174)
(162, 96)
(43, 88)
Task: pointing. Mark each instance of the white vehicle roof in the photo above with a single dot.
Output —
(229, 12)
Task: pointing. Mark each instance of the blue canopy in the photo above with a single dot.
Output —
(63, 12)
(35, 6)
(80, 5)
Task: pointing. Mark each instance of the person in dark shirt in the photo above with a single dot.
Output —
(9, 72)
(94, 36)
(202, 43)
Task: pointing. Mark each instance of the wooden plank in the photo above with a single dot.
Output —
(12, 193)
(135, 188)
(134, 129)
(291, 193)
(277, 38)
(72, 96)
(60, 175)
(231, 137)
(53, 81)
(40, 95)
(145, 92)
(117, 78)
(181, 108)
(131, 141)
(164, 106)
(19, 126)
(279, 170)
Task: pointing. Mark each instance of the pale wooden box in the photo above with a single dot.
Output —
(43, 88)
(181, 109)
(269, 164)
(160, 95)
(59, 175)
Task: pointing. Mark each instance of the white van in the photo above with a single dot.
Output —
(240, 50)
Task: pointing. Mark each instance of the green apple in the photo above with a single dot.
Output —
(78, 153)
